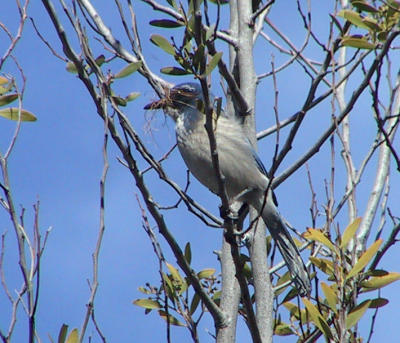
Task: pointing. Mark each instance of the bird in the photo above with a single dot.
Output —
(246, 178)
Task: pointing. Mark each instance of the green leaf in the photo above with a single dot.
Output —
(170, 318)
(174, 273)
(12, 113)
(132, 96)
(172, 3)
(206, 273)
(73, 337)
(372, 24)
(364, 259)
(293, 309)
(331, 296)
(119, 101)
(283, 330)
(220, 2)
(349, 233)
(317, 318)
(162, 43)
(175, 71)
(3, 80)
(62, 335)
(71, 68)
(147, 303)
(100, 60)
(213, 63)
(378, 302)
(6, 99)
(353, 17)
(144, 290)
(210, 32)
(377, 272)
(355, 315)
(128, 70)
(357, 42)
(317, 235)
(379, 281)
(166, 23)
(323, 264)
(195, 303)
(188, 253)
(363, 6)
(170, 288)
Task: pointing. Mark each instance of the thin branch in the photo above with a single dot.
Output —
(356, 94)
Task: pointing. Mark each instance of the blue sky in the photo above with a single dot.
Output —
(58, 161)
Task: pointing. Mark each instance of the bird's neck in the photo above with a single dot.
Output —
(190, 121)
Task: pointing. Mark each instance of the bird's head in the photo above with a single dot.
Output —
(179, 97)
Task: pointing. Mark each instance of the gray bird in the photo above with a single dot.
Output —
(244, 173)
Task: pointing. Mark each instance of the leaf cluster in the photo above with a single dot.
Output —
(337, 313)
(374, 23)
(8, 94)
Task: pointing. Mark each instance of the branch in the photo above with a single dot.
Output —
(356, 94)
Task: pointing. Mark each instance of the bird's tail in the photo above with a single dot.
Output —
(286, 245)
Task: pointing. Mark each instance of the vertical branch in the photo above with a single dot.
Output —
(382, 171)
(257, 249)
(230, 290)
(95, 256)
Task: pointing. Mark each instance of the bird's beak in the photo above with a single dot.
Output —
(155, 105)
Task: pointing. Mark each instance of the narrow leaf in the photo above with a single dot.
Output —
(132, 96)
(12, 113)
(349, 232)
(283, 330)
(353, 17)
(166, 23)
(195, 303)
(372, 24)
(378, 302)
(147, 303)
(210, 32)
(119, 101)
(206, 273)
(363, 6)
(144, 290)
(293, 309)
(170, 318)
(364, 259)
(213, 63)
(323, 264)
(380, 281)
(128, 70)
(170, 288)
(62, 335)
(6, 89)
(331, 296)
(355, 315)
(188, 253)
(317, 318)
(175, 273)
(317, 235)
(220, 2)
(6, 99)
(73, 337)
(174, 71)
(162, 43)
(3, 80)
(357, 42)
(100, 60)
(172, 3)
